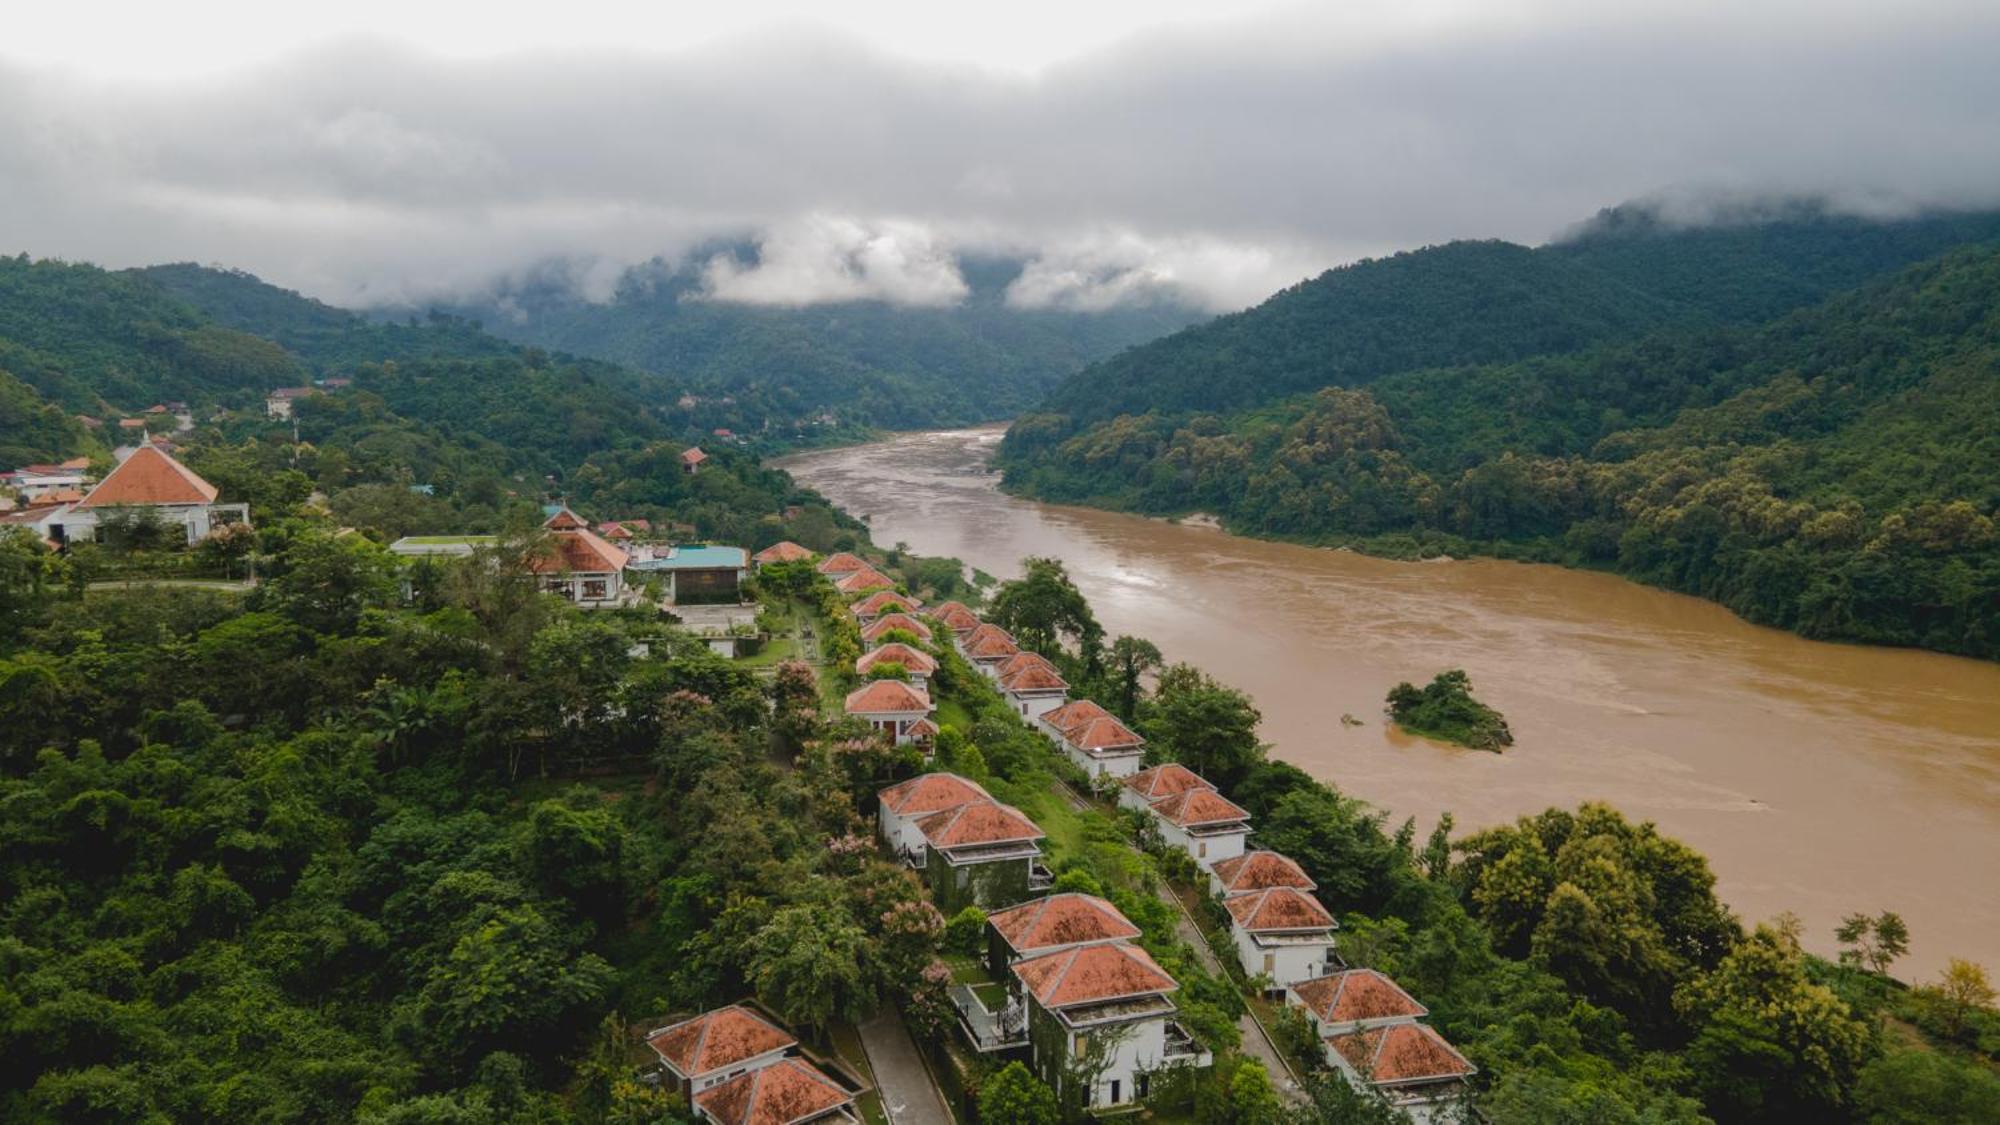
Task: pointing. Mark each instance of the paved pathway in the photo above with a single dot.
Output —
(908, 1094)
(1256, 1041)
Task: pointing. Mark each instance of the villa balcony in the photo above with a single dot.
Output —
(1184, 1050)
(993, 1020)
(1040, 878)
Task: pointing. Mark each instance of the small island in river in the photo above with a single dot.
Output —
(1444, 709)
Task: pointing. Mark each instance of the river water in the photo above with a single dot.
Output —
(1817, 778)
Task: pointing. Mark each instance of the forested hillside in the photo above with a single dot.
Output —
(1832, 471)
(866, 362)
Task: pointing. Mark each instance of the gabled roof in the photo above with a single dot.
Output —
(787, 1091)
(1058, 920)
(1092, 975)
(693, 456)
(1256, 870)
(1277, 908)
(1100, 735)
(1075, 713)
(931, 792)
(615, 531)
(1163, 781)
(888, 697)
(1034, 679)
(1199, 806)
(857, 581)
(888, 621)
(581, 551)
(1399, 1054)
(717, 1040)
(841, 562)
(922, 728)
(1021, 660)
(562, 519)
(915, 661)
(978, 822)
(881, 602)
(1357, 995)
(956, 617)
(990, 642)
(149, 476)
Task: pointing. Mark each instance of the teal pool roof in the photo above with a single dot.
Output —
(697, 558)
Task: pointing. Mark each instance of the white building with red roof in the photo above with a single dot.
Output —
(874, 631)
(1409, 1066)
(1112, 997)
(841, 562)
(1094, 739)
(956, 617)
(919, 665)
(278, 403)
(704, 1052)
(1204, 824)
(581, 565)
(988, 647)
(890, 706)
(881, 602)
(1282, 934)
(861, 581)
(150, 484)
(784, 552)
(1141, 791)
(984, 854)
(902, 805)
(1031, 685)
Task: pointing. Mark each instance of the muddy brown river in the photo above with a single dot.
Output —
(1818, 778)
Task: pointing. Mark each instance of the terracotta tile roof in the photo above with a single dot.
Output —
(956, 617)
(922, 728)
(889, 621)
(1197, 807)
(615, 531)
(693, 456)
(916, 662)
(717, 1040)
(990, 642)
(785, 552)
(881, 602)
(840, 562)
(1064, 919)
(1021, 660)
(787, 1091)
(1400, 1053)
(857, 581)
(149, 477)
(132, 423)
(887, 697)
(1163, 781)
(1075, 714)
(1093, 974)
(1356, 995)
(564, 520)
(1277, 908)
(1100, 735)
(579, 551)
(1254, 871)
(931, 792)
(978, 822)
(1034, 679)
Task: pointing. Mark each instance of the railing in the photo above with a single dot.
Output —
(987, 1030)
(1040, 878)
(1181, 1045)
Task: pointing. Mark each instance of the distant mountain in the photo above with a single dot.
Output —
(866, 362)
(1829, 468)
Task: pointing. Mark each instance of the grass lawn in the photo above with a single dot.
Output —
(952, 713)
(1067, 834)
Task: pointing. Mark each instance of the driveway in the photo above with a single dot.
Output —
(908, 1094)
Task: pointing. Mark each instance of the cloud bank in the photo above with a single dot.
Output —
(1213, 167)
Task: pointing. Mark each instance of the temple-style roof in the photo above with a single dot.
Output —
(784, 552)
(1198, 807)
(1256, 870)
(888, 697)
(149, 476)
(789, 1090)
(1277, 908)
(915, 661)
(931, 792)
(978, 822)
(1163, 781)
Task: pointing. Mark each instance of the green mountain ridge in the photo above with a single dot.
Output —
(1831, 471)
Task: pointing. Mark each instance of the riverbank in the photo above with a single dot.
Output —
(1819, 778)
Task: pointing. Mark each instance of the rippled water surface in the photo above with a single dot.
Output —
(1818, 778)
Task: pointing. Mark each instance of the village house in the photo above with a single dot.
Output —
(918, 664)
(862, 581)
(994, 1015)
(891, 707)
(1110, 1010)
(881, 602)
(1031, 685)
(988, 647)
(1282, 934)
(957, 618)
(790, 1091)
(278, 403)
(698, 574)
(701, 1053)
(901, 806)
(150, 484)
(1144, 789)
(32, 482)
(583, 567)
(981, 853)
(691, 460)
(1256, 871)
(841, 562)
(1204, 824)
(1409, 1066)
(888, 623)
(784, 552)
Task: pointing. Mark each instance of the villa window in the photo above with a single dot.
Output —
(595, 589)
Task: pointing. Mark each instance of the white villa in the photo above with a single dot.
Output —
(737, 1068)
(1113, 998)
(584, 568)
(902, 805)
(988, 647)
(1032, 685)
(1204, 824)
(1282, 934)
(1258, 870)
(1373, 1040)
(893, 707)
(920, 665)
(150, 484)
(1142, 790)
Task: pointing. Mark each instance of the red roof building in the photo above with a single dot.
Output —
(890, 622)
(957, 618)
(1277, 908)
(1092, 975)
(691, 460)
(1395, 1058)
(1171, 779)
(891, 707)
(790, 1091)
(988, 646)
(1257, 870)
(1352, 999)
(582, 565)
(901, 806)
(881, 602)
(703, 1051)
(916, 662)
(1058, 922)
(1073, 714)
(152, 478)
(841, 562)
(784, 552)
(861, 581)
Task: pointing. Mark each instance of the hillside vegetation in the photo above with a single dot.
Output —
(1832, 471)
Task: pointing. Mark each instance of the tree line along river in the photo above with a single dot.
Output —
(1817, 778)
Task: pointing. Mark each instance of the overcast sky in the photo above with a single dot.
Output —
(382, 152)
